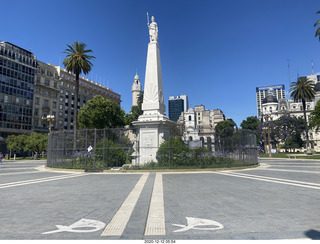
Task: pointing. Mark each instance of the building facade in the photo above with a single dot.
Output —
(177, 105)
(87, 90)
(273, 109)
(17, 75)
(262, 92)
(198, 124)
(30, 90)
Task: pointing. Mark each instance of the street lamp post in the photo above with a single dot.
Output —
(267, 116)
(50, 119)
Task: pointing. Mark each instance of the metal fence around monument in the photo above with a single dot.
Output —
(102, 149)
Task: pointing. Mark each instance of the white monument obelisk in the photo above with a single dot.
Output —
(153, 127)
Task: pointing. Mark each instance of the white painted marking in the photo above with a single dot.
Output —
(297, 166)
(16, 168)
(35, 181)
(21, 173)
(156, 220)
(285, 180)
(280, 181)
(81, 226)
(121, 218)
(295, 171)
(193, 223)
(293, 163)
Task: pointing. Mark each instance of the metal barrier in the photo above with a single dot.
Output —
(100, 149)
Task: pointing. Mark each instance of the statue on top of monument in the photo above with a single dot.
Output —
(153, 30)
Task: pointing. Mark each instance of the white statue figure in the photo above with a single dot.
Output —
(153, 30)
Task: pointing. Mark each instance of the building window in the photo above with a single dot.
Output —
(46, 102)
(37, 101)
(54, 104)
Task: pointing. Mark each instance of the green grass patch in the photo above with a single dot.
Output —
(291, 155)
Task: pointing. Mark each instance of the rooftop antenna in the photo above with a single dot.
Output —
(312, 67)
(289, 75)
(148, 18)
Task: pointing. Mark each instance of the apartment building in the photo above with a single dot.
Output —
(30, 90)
(17, 74)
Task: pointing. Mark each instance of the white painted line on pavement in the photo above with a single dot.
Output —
(34, 181)
(299, 163)
(294, 171)
(279, 179)
(275, 180)
(121, 218)
(15, 168)
(21, 173)
(156, 221)
(297, 166)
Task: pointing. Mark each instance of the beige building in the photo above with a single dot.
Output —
(55, 93)
(198, 124)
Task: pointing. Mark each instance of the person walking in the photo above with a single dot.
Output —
(1, 157)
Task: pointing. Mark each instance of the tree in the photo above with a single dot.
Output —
(315, 117)
(140, 100)
(224, 131)
(36, 143)
(77, 62)
(16, 143)
(252, 123)
(134, 114)
(303, 91)
(288, 130)
(101, 113)
(293, 142)
(318, 30)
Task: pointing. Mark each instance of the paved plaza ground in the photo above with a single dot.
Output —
(277, 200)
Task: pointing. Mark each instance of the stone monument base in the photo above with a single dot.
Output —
(152, 131)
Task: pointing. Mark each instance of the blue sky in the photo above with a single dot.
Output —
(216, 52)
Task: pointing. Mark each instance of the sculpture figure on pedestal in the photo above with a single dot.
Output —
(153, 30)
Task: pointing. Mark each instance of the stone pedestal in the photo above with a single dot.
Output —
(150, 135)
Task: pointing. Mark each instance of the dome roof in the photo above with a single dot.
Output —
(317, 87)
(270, 99)
(136, 77)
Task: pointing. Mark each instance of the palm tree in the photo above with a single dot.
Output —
(303, 91)
(77, 61)
(318, 30)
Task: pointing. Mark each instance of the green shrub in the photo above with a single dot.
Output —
(112, 153)
(172, 153)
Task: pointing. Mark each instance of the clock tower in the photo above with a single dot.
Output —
(136, 90)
